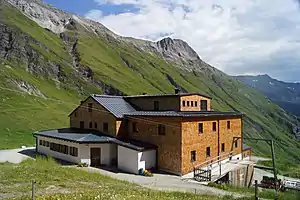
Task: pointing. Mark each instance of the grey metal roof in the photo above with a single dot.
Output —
(87, 136)
(114, 104)
(182, 114)
(74, 135)
(167, 95)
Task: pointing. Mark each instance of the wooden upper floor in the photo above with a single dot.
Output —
(171, 102)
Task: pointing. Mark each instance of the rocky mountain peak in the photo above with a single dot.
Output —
(177, 49)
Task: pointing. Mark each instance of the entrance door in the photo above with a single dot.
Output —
(95, 157)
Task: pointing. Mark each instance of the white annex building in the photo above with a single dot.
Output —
(95, 149)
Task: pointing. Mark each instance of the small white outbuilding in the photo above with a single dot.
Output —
(96, 149)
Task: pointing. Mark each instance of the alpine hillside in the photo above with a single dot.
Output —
(51, 59)
(287, 95)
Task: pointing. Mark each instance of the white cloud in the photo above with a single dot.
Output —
(237, 36)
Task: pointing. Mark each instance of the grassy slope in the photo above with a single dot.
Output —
(56, 182)
(263, 118)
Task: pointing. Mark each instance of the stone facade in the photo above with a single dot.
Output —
(168, 145)
(95, 119)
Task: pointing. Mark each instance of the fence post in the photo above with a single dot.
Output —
(256, 197)
(33, 189)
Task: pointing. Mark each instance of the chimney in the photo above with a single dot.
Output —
(177, 90)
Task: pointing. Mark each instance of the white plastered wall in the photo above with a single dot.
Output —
(147, 159)
(131, 160)
(108, 151)
(128, 160)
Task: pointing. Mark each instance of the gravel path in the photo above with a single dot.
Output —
(16, 155)
(167, 182)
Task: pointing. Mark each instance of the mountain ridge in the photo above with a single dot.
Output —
(80, 61)
(286, 94)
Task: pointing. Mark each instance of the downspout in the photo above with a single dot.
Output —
(242, 135)
(218, 139)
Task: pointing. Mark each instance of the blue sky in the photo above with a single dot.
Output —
(84, 6)
(237, 36)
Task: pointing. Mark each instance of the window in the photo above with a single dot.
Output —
(75, 114)
(207, 151)
(236, 144)
(82, 124)
(200, 127)
(193, 156)
(223, 147)
(96, 125)
(73, 151)
(44, 143)
(183, 103)
(47, 144)
(59, 148)
(134, 127)
(196, 104)
(90, 107)
(228, 124)
(156, 105)
(41, 142)
(188, 103)
(105, 126)
(214, 126)
(203, 105)
(161, 129)
(192, 103)
(91, 125)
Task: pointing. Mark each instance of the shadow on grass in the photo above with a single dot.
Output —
(33, 154)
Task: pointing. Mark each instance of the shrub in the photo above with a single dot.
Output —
(82, 165)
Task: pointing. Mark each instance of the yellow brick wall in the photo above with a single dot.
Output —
(98, 115)
(169, 145)
(193, 141)
(193, 98)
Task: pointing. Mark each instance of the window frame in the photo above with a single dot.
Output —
(134, 127)
(193, 156)
(90, 107)
(223, 147)
(81, 124)
(156, 105)
(214, 126)
(208, 153)
(228, 125)
(105, 127)
(200, 128)
(161, 129)
(201, 105)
